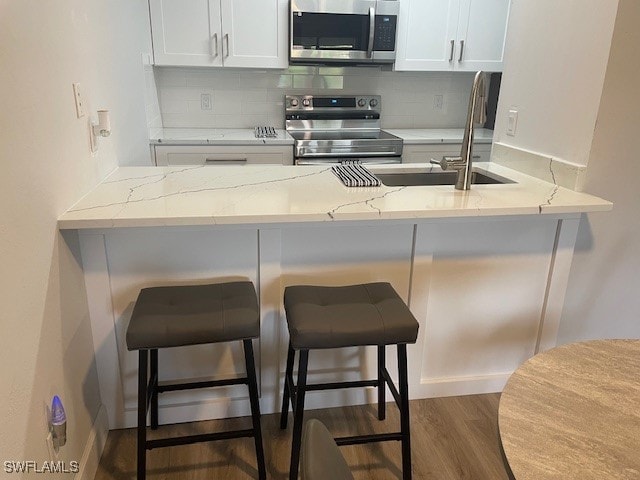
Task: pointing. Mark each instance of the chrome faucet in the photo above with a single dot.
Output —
(477, 114)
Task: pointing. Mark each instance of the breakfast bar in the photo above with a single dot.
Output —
(484, 271)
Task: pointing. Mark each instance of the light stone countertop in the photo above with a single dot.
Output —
(573, 412)
(245, 136)
(267, 194)
(215, 136)
(418, 136)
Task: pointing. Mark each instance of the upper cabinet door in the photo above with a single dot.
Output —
(427, 34)
(452, 35)
(255, 33)
(186, 32)
(482, 28)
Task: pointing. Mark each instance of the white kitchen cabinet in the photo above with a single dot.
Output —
(224, 155)
(424, 153)
(452, 35)
(216, 33)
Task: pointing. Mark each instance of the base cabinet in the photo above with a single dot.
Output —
(425, 153)
(486, 292)
(224, 155)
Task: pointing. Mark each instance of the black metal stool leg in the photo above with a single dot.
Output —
(286, 395)
(255, 407)
(298, 416)
(382, 385)
(405, 424)
(154, 389)
(142, 413)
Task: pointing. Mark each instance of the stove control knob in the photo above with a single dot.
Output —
(362, 102)
(306, 102)
(373, 102)
(294, 102)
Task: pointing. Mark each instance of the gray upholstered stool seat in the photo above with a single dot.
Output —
(176, 316)
(348, 316)
(193, 314)
(333, 317)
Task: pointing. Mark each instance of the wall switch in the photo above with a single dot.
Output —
(205, 101)
(438, 102)
(512, 122)
(79, 100)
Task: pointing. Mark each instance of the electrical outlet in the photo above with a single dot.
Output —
(205, 101)
(79, 100)
(93, 141)
(438, 102)
(53, 455)
(512, 122)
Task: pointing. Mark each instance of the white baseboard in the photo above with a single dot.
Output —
(95, 444)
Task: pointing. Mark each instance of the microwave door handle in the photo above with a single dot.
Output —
(372, 29)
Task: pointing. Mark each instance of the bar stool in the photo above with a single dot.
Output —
(321, 459)
(176, 316)
(348, 316)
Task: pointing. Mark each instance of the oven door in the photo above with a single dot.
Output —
(347, 31)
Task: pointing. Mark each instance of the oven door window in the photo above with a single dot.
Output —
(330, 31)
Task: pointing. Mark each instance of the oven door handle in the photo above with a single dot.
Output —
(304, 154)
(372, 30)
(337, 161)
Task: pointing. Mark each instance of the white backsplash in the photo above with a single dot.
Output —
(242, 98)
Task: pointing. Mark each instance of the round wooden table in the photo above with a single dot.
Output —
(573, 412)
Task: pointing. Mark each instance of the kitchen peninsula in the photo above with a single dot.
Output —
(484, 271)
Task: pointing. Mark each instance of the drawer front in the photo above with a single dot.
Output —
(424, 153)
(243, 155)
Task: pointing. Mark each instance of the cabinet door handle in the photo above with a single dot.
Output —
(214, 45)
(453, 46)
(232, 160)
(461, 50)
(226, 41)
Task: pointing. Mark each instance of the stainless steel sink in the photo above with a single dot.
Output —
(407, 179)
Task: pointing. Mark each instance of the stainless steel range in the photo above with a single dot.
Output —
(332, 129)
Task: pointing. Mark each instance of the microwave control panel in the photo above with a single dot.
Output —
(385, 33)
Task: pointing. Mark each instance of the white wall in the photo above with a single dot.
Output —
(602, 299)
(555, 60)
(46, 346)
(244, 98)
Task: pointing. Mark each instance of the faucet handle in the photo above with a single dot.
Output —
(439, 162)
(455, 163)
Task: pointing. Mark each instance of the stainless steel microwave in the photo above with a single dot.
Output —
(343, 31)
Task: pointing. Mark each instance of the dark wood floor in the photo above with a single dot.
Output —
(452, 438)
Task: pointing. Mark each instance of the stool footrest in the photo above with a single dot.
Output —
(337, 385)
(207, 437)
(193, 385)
(359, 439)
